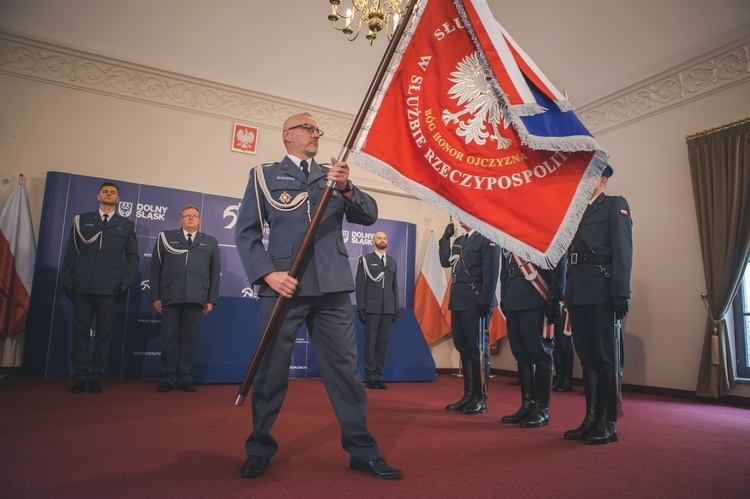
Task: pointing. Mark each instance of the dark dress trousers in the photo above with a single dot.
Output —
(524, 309)
(379, 300)
(600, 261)
(93, 265)
(321, 300)
(184, 279)
(474, 278)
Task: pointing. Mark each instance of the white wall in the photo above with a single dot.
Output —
(48, 126)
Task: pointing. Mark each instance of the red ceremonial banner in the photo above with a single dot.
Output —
(439, 131)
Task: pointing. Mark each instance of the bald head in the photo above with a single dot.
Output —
(299, 140)
(380, 241)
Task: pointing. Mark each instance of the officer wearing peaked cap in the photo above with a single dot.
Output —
(597, 291)
(475, 262)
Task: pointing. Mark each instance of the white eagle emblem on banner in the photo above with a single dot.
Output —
(479, 101)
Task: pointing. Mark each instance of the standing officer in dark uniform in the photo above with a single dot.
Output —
(377, 306)
(530, 300)
(600, 261)
(475, 264)
(93, 279)
(285, 195)
(185, 273)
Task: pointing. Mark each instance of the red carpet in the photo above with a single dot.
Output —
(133, 442)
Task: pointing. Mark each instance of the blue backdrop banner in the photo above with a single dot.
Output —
(229, 335)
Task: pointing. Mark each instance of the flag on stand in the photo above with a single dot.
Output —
(466, 122)
(17, 255)
(430, 296)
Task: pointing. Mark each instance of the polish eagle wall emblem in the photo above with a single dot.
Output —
(244, 138)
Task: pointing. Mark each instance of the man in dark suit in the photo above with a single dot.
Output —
(185, 274)
(92, 278)
(285, 195)
(377, 306)
(530, 300)
(597, 291)
(475, 262)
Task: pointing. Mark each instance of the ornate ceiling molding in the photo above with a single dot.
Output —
(48, 63)
(722, 68)
(26, 58)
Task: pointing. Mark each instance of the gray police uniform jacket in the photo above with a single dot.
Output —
(518, 293)
(185, 275)
(474, 276)
(600, 258)
(376, 297)
(326, 267)
(96, 268)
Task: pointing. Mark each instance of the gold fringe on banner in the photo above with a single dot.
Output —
(716, 129)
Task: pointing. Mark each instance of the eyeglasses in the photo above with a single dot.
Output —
(308, 128)
(191, 216)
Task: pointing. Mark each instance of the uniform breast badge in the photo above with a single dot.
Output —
(285, 198)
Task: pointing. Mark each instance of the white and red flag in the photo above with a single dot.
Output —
(17, 255)
(466, 122)
(430, 303)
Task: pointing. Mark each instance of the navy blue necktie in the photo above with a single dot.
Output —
(304, 167)
(190, 240)
(106, 219)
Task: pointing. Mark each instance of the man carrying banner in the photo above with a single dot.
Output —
(285, 195)
(185, 275)
(92, 278)
(530, 301)
(377, 306)
(597, 291)
(474, 261)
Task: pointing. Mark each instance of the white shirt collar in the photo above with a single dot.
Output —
(297, 161)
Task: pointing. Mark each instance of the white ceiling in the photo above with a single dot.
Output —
(286, 48)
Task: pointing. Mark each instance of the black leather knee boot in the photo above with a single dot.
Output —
(526, 377)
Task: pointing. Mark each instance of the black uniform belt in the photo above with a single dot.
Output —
(579, 258)
(465, 278)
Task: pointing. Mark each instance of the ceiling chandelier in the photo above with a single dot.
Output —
(373, 15)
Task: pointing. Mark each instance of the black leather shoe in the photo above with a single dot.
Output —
(377, 468)
(382, 385)
(254, 466)
(372, 384)
(79, 386)
(186, 386)
(164, 387)
(95, 386)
